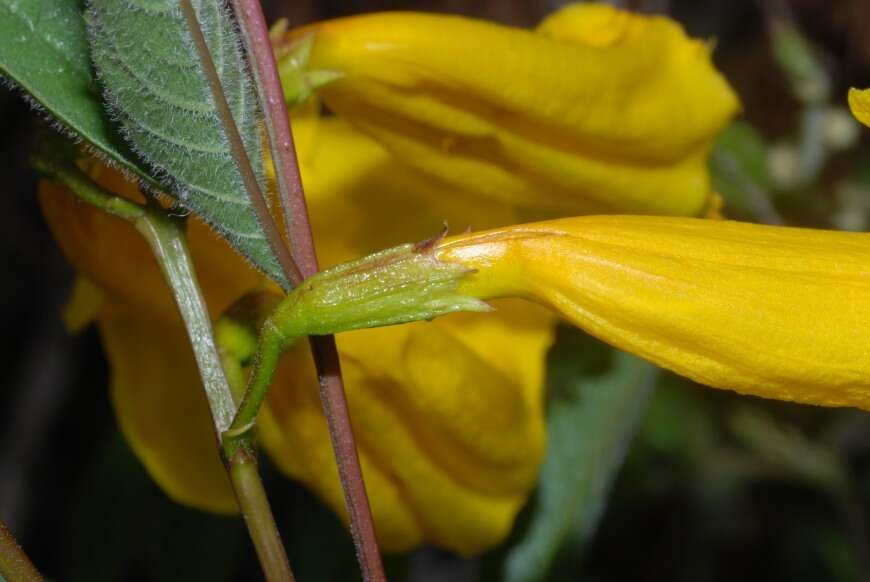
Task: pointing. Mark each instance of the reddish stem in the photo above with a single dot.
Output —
(271, 94)
(237, 147)
(334, 400)
(332, 393)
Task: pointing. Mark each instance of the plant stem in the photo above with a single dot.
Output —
(15, 566)
(237, 147)
(85, 189)
(255, 33)
(334, 400)
(255, 509)
(166, 237)
(332, 393)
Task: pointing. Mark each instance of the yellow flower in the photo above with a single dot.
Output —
(598, 110)
(430, 437)
(771, 311)
(859, 103)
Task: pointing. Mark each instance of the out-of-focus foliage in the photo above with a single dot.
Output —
(596, 398)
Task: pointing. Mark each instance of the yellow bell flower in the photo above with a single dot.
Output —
(771, 311)
(430, 435)
(598, 110)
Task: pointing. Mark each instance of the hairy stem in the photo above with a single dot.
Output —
(85, 189)
(15, 566)
(237, 147)
(165, 235)
(332, 394)
(270, 345)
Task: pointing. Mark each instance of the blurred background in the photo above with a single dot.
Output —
(713, 486)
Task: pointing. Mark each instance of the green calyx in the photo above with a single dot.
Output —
(397, 285)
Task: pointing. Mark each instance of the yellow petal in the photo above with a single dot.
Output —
(427, 399)
(362, 201)
(558, 120)
(161, 408)
(85, 303)
(156, 389)
(449, 420)
(859, 103)
(772, 311)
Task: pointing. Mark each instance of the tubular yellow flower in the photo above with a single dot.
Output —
(449, 414)
(771, 311)
(598, 110)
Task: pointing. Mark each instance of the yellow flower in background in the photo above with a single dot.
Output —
(598, 110)
(772, 311)
(859, 103)
(475, 124)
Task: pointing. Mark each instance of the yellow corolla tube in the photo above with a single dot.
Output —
(598, 110)
(776, 312)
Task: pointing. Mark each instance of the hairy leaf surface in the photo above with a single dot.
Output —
(157, 90)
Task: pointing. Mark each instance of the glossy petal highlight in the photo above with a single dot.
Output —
(599, 111)
(771, 311)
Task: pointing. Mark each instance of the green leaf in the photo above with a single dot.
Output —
(597, 397)
(45, 52)
(157, 90)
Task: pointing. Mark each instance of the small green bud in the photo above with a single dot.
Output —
(297, 81)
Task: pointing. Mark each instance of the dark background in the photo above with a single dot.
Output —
(702, 496)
